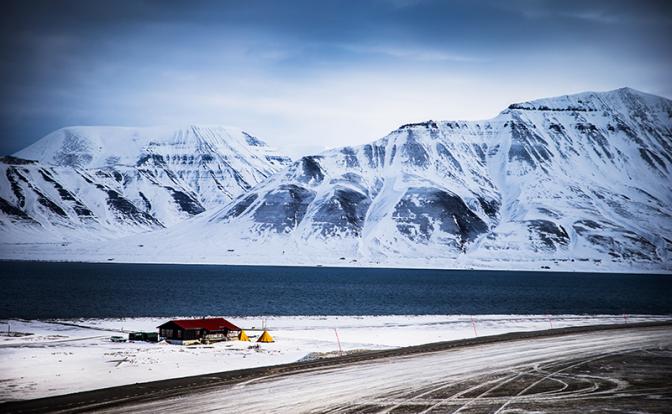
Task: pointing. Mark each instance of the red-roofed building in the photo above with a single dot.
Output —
(185, 331)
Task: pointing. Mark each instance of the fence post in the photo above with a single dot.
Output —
(340, 350)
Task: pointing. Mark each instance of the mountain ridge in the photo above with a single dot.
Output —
(541, 183)
(576, 181)
(111, 181)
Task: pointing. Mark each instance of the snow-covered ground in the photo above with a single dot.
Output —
(66, 356)
(96, 253)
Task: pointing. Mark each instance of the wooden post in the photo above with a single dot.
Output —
(340, 350)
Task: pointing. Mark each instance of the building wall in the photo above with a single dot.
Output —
(176, 333)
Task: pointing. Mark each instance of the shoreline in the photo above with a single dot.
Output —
(355, 265)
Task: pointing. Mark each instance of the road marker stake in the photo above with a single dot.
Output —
(340, 350)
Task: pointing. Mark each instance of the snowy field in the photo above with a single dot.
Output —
(65, 356)
(107, 252)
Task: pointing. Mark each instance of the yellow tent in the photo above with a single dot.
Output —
(265, 337)
(242, 336)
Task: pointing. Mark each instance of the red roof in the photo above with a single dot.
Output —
(209, 324)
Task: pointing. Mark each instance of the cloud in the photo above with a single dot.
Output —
(309, 75)
(413, 53)
(595, 11)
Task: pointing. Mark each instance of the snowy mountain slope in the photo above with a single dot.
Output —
(583, 178)
(104, 182)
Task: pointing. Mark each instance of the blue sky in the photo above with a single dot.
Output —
(306, 75)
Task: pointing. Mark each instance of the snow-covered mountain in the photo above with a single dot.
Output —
(576, 181)
(104, 182)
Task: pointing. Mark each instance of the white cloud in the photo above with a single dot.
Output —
(343, 107)
(413, 53)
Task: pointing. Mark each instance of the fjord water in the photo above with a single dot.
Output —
(71, 290)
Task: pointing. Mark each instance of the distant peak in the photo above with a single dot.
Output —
(589, 101)
(631, 92)
(253, 141)
(211, 126)
(427, 124)
(11, 160)
(627, 89)
(95, 146)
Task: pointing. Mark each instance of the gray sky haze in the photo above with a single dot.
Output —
(307, 75)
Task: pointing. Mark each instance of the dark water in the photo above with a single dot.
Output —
(65, 290)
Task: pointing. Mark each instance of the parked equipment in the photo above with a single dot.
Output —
(144, 336)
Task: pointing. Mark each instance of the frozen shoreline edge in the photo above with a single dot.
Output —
(360, 265)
